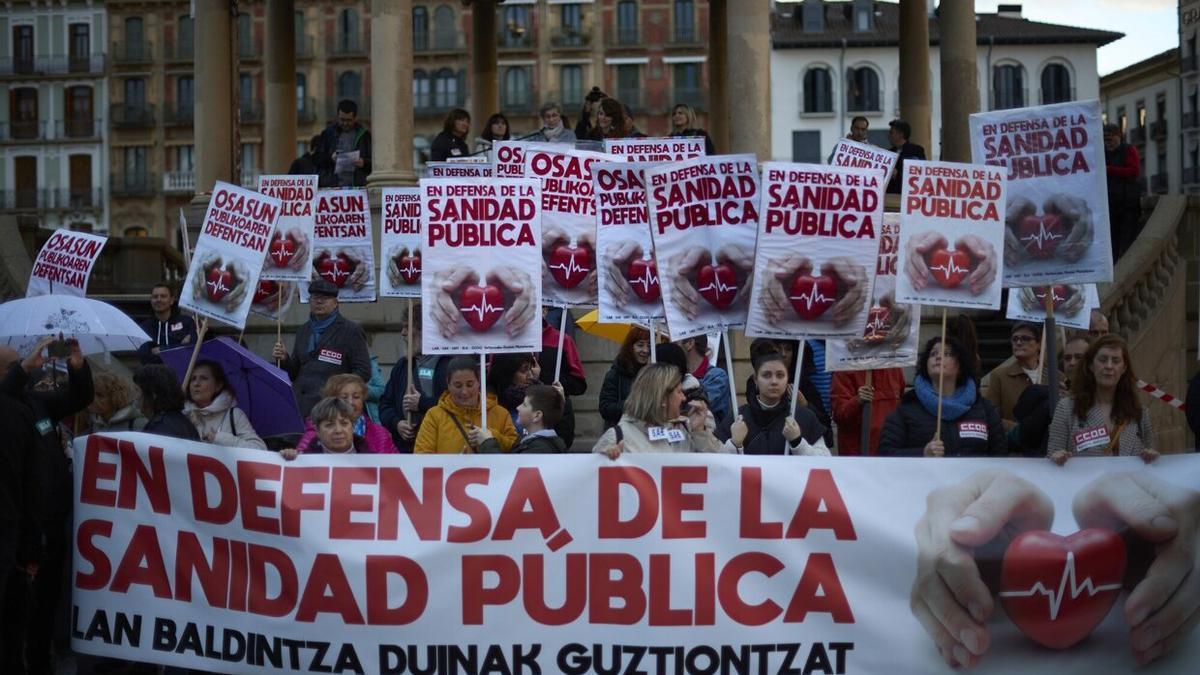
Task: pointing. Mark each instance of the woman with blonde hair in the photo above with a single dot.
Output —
(113, 408)
(684, 125)
(350, 388)
(659, 418)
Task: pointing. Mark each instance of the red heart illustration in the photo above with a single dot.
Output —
(265, 289)
(481, 306)
(949, 268)
(717, 284)
(335, 270)
(1060, 295)
(877, 330)
(410, 267)
(569, 265)
(218, 283)
(642, 276)
(281, 250)
(812, 296)
(1040, 235)
(1058, 589)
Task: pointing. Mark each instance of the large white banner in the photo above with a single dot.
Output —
(64, 264)
(343, 250)
(228, 259)
(231, 560)
(400, 265)
(289, 255)
(655, 149)
(481, 285)
(951, 235)
(704, 218)
(817, 239)
(1056, 227)
(628, 271)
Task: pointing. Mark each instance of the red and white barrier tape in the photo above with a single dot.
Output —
(1161, 395)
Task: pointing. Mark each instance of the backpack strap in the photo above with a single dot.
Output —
(461, 430)
(620, 434)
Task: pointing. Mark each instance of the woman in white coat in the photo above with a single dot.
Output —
(212, 406)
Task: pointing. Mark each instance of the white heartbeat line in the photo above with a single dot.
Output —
(337, 272)
(646, 280)
(814, 295)
(1056, 596)
(278, 252)
(216, 286)
(410, 269)
(483, 309)
(569, 269)
(1054, 297)
(950, 269)
(1041, 236)
(876, 325)
(719, 286)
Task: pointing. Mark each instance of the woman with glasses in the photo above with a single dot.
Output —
(1009, 381)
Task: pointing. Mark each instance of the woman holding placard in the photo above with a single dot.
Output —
(764, 425)
(969, 427)
(453, 425)
(1103, 415)
(618, 381)
(659, 418)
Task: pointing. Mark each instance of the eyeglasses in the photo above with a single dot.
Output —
(1018, 339)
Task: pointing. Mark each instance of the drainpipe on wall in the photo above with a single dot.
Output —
(842, 105)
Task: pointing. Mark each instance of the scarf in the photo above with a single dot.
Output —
(318, 328)
(360, 426)
(954, 406)
(763, 416)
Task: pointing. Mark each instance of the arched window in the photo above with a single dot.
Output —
(516, 88)
(1008, 86)
(349, 86)
(347, 31)
(420, 26)
(627, 22)
(818, 91)
(445, 32)
(862, 90)
(1056, 84)
(421, 91)
(445, 89)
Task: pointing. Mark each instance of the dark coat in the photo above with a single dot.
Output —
(540, 445)
(709, 148)
(764, 428)
(304, 165)
(613, 392)
(172, 423)
(19, 481)
(328, 166)
(166, 334)
(906, 151)
(911, 426)
(345, 351)
(391, 404)
(447, 145)
(571, 378)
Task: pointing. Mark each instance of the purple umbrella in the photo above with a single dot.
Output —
(264, 392)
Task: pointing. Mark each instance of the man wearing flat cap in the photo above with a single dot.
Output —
(327, 344)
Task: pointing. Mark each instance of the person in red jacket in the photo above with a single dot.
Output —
(1124, 190)
(847, 395)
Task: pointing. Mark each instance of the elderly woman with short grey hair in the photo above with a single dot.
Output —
(334, 421)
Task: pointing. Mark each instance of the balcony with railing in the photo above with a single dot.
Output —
(624, 36)
(1137, 135)
(696, 97)
(640, 101)
(59, 64)
(571, 37)
(306, 111)
(26, 200)
(132, 115)
(685, 35)
(182, 52)
(179, 182)
(514, 38)
(132, 53)
(1158, 130)
(438, 106)
(79, 198)
(305, 47)
(249, 48)
(364, 108)
(23, 130)
(133, 184)
(251, 111)
(78, 128)
(250, 178)
(179, 114)
(571, 100)
(519, 102)
(347, 46)
(440, 43)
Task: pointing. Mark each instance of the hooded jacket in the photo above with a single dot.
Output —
(166, 334)
(226, 422)
(342, 349)
(129, 418)
(440, 434)
(764, 430)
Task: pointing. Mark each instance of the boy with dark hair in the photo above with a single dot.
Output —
(541, 410)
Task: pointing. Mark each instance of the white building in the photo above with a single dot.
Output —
(53, 113)
(1020, 63)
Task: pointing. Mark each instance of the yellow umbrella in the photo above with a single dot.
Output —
(590, 324)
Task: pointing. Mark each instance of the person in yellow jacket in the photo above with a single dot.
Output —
(452, 426)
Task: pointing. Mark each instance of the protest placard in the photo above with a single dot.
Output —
(228, 258)
(1072, 304)
(704, 219)
(232, 560)
(816, 236)
(628, 272)
(480, 284)
(289, 255)
(458, 170)
(272, 299)
(951, 235)
(568, 222)
(64, 264)
(864, 156)
(654, 149)
(1056, 220)
(400, 266)
(890, 337)
(343, 251)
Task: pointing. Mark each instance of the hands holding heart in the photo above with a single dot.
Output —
(343, 267)
(929, 259)
(288, 250)
(630, 273)
(995, 514)
(789, 285)
(1066, 299)
(569, 264)
(460, 298)
(404, 266)
(1064, 229)
(220, 282)
(699, 277)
